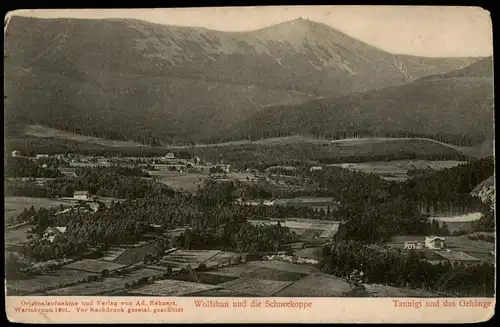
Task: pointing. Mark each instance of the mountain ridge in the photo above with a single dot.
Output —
(456, 107)
(129, 71)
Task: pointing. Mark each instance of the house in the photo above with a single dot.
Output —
(413, 245)
(434, 242)
(16, 153)
(81, 195)
(315, 168)
(70, 174)
(215, 170)
(42, 156)
(170, 155)
(51, 232)
(346, 166)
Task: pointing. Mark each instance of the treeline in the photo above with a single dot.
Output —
(450, 186)
(211, 226)
(32, 146)
(341, 134)
(17, 167)
(117, 182)
(376, 210)
(391, 267)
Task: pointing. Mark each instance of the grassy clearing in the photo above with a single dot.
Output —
(14, 205)
(141, 273)
(170, 287)
(188, 257)
(236, 271)
(113, 253)
(47, 132)
(134, 255)
(316, 285)
(310, 253)
(94, 266)
(92, 288)
(43, 282)
(478, 249)
(222, 258)
(389, 291)
(17, 236)
(220, 293)
(177, 180)
(255, 286)
(204, 278)
(275, 275)
(285, 266)
(397, 170)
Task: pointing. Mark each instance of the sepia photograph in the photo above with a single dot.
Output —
(274, 153)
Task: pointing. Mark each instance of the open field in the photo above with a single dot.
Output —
(186, 181)
(255, 286)
(220, 292)
(16, 236)
(389, 291)
(192, 258)
(92, 288)
(235, 271)
(478, 249)
(316, 285)
(113, 253)
(309, 253)
(459, 218)
(204, 278)
(222, 258)
(14, 205)
(285, 266)
(141, 273)
(397, 170)
(47, 132)
(306, 229)
(255, 278)
(307, 139)
(170, 287)
(94, 266)
(134, 255)
(43, 282)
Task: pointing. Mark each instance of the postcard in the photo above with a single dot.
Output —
(249, 164)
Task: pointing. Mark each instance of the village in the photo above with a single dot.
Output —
(156, 265)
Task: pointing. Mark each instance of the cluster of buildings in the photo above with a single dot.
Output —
(434, 251)
(431, 242)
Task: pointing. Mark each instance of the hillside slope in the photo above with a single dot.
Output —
(457, 108)
(129, 79)
(486, 191)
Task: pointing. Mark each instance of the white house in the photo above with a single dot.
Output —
(81, 195)
(315, 168)
(413, 245)
(16, 153)
(434, 242)
(170, 155)
(51, 232)
(42, 156)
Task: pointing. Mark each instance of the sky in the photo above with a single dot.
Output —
(422, 31)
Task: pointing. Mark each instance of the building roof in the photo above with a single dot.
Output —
(456, 256)
(81, 192)
(433, 238)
